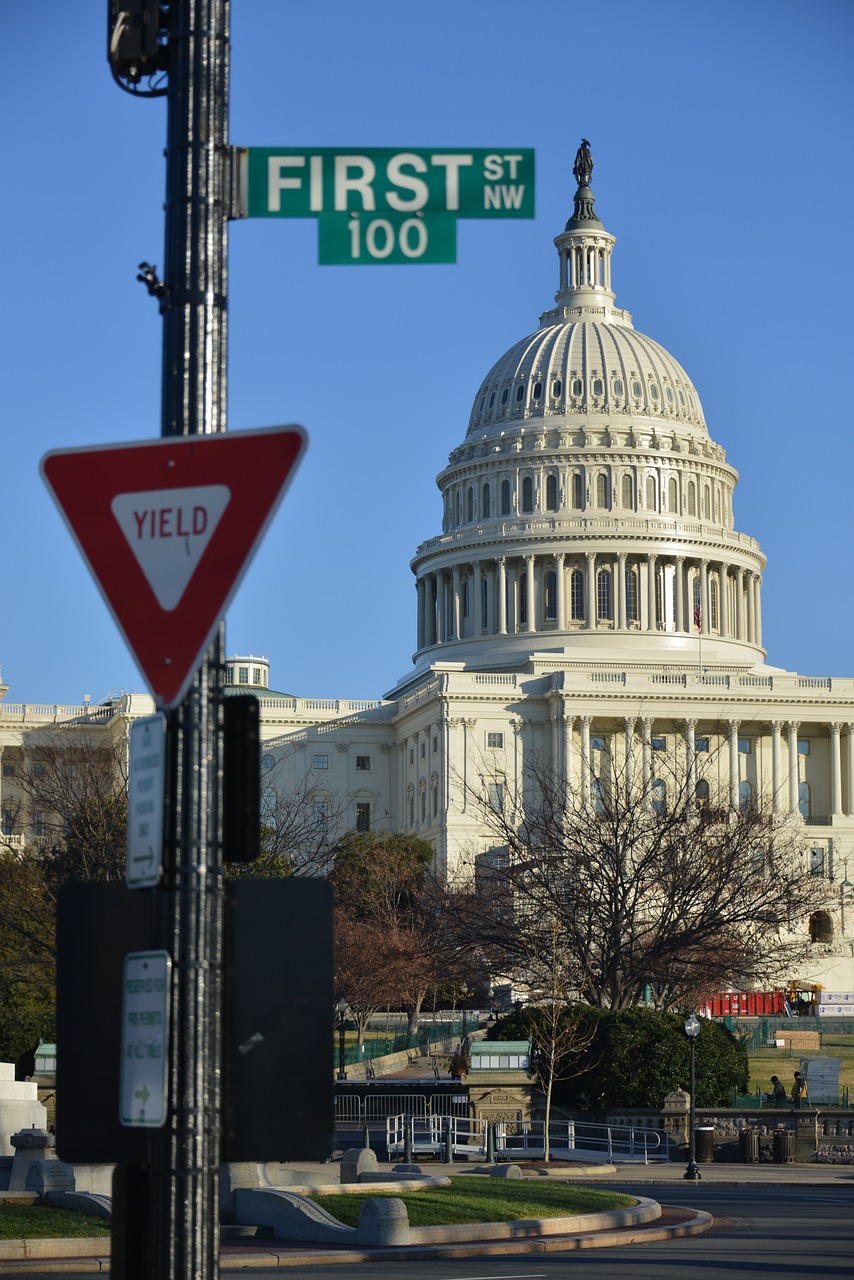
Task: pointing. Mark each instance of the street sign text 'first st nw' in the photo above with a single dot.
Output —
(167, 528)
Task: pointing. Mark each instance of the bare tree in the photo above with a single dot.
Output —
(657, 887)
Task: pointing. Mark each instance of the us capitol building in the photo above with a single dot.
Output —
(588, 600)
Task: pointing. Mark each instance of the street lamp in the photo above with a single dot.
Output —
(343, 1009)
(692, 1030)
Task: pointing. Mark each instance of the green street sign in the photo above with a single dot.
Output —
(383, 205)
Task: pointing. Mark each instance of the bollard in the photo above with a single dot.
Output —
(490, 1143)
(449, 1143)
(407, 1139)
(366, 1138)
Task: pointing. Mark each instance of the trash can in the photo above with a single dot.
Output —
(704, 1144)
(784, 1146)
(748, 1146)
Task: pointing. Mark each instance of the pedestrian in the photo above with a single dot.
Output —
(778, 1092)
(800, 1096)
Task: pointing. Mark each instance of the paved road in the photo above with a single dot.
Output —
(784, 1232)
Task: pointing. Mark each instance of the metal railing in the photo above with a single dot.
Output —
(464, 1135)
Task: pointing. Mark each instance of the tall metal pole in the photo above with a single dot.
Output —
(185, 1163)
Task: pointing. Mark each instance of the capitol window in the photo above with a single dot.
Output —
(618, 386)
(520, 393)
(551, 596)
(653, 390)
(470, 504)
(504, 394)
(659, 796)
(551, 493)
(803, 746)
(320, 762)
(505, 497)
(485, 502)
(628, 493)
(527, 495)
(576, 596)
(701, 744)
(631, 595)
(363, 763)
(597, 742)
(492, 400)
(577, 387)
(658, 744)
(557, 387)
(804, 799)
(598, 387)
(744, 747)
(601, 490)
(637, 390)
(577, 492)
(538, 390)
(363, 815)
(603, 595)
(494, 739)
(668, 394)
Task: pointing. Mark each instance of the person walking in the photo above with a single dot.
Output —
(778, 1092)
(800, 1094)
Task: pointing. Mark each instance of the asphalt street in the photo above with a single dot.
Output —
(788, 1232)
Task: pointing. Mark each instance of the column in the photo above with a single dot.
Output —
(646, 748)
(456, 604)
(849, 735)
(618, 587)
(794, 779)
(568, 762)
(490, 601)
(440, 607)
(629, 731)
(477, 608)
(585, 761)
(513, 577)
(590, 583)
(560, 600)
(757, 608)
(502, 596)
(776, 768)
(706, 617)
(680, 593)
(835, 772)
(739, 604)
(751, 611)
(420, 632)
(724, 602)
(531, 593)
(733, 765)
(651, 576)
(690, 726)
(621, 614)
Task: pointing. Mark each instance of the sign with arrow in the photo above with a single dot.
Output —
(145, 1035)
(146, 774)
(167, 528)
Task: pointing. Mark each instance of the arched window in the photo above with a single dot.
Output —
(551, 493)
(672, 495)
(707, 502)
(821, 927)
(551, 596)
(523, 599)
(659, 796)
(632, 595)
(470, 504)
(485, 503)
(459, 506)
(466, 598)
(577, 492)
(505, 497)
(713, 603)
(601, 490)
(650, 493)
(576, 596)
(692, 498)
(628, 499)
(745, 796)
(597, 795)
(696, 594)
(527, 494)
(484, 605)
(701, 794)
(603, 595)
(804, 799)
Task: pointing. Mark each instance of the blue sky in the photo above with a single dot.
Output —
(721, 136)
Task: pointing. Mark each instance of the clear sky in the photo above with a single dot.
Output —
(721, 135)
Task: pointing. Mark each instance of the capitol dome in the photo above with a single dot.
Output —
(588, 512)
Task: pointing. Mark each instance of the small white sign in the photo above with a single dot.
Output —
(145, 1039)
(146, 774)
(168, 531)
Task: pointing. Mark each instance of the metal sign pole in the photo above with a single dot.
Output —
(186, 1154)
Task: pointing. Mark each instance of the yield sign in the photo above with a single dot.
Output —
(167, 528)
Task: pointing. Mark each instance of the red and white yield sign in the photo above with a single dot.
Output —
(167, 528)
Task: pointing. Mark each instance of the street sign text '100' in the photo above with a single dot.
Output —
(381, 205)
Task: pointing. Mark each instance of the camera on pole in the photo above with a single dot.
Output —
(136, 40)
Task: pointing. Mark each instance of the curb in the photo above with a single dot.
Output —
(22, 1255)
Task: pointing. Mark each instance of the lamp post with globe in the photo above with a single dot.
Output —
(692, 1030)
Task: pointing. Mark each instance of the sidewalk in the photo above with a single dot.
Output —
(253, 1251)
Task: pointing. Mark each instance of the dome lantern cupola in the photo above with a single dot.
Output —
(584, 247)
